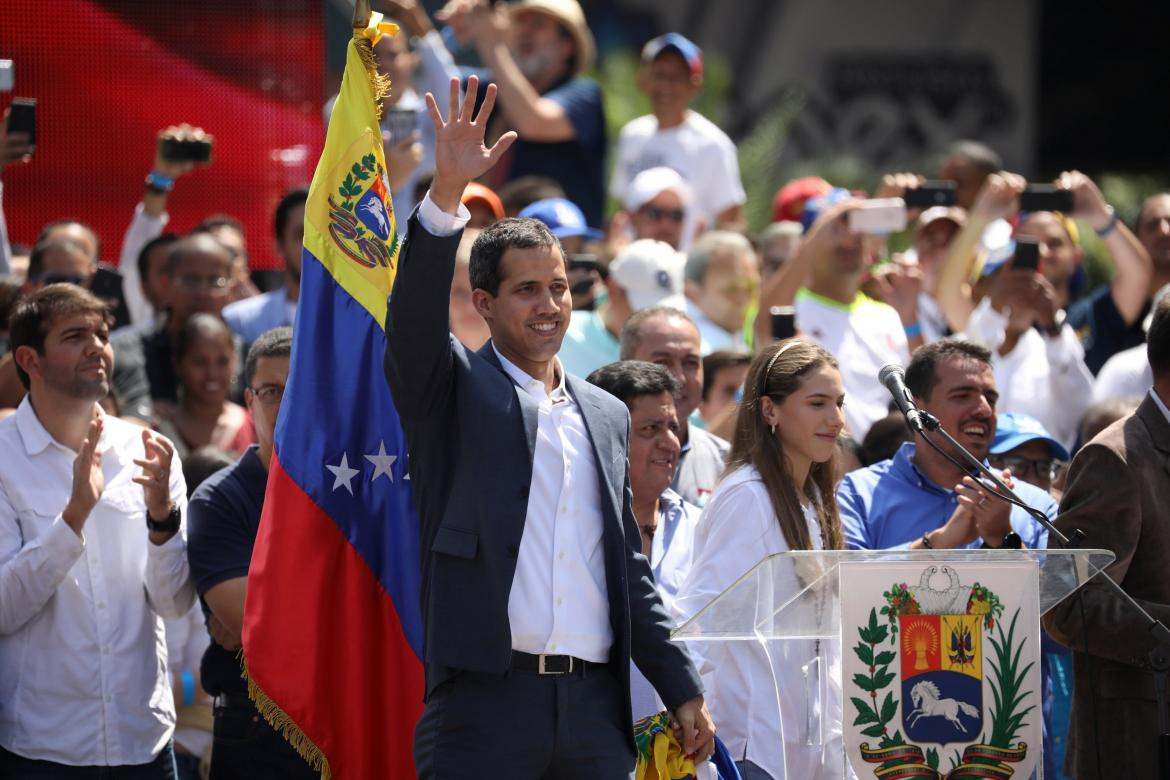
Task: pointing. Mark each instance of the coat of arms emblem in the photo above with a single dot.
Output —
(942, 679)
(360, 217)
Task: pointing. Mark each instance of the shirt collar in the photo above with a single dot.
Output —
(904, 466)
(1161, 405)
(36, 437)
(669, 503)
(529, 383)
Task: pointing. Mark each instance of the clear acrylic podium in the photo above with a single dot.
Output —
(795, 597)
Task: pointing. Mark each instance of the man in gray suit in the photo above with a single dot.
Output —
(535, 596)
(1118, 491)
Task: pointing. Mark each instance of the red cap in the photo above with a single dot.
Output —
(788, 204)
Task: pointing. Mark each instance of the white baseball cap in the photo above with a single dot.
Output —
(647, 185)
(651, 273)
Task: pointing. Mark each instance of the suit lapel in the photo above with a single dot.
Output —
(529, 409)
(599, 427)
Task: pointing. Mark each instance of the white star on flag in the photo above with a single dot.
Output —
(343, 474)
(382, 462)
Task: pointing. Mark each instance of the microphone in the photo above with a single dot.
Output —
(894, 378)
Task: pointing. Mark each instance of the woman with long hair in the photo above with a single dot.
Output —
(773, 699)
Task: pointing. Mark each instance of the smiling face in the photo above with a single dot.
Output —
(963, 400)
(542, 48)
(810, 419)
(1059, 255)
(661, 218)
(669, 83)
(654, 445)
(729, 287)
(673, 342)
(207, 367)
(528, 315)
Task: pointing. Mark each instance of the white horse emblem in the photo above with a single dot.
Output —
(928, 702)
(374, 209)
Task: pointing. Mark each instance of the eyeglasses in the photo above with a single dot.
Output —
(268, 394)
(216, 284)
(1020, 466)
(657, 214)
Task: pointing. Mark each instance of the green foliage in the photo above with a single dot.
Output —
(1007, 686)
(875, 682)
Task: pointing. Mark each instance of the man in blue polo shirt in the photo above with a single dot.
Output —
(918, 499)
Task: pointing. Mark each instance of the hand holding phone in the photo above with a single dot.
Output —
(783, 322)
(180, 148)
(931, 193)
(1045, 197)
(879, 216)
(1027, 256)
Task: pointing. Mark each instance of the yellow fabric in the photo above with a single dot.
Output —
(660, 756)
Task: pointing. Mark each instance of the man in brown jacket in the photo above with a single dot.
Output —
(1119, 494)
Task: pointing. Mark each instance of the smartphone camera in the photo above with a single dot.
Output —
(186, 150)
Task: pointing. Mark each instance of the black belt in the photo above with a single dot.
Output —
(234, 701)
(552, 665)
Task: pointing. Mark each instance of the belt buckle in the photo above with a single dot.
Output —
(542, 669)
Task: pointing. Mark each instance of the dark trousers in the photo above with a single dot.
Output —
(524, 726)
(14, 767)
(247, 748)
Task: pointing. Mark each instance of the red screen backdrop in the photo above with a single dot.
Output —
(109, 75)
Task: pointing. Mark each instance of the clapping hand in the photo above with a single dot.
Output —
(88, 480)
(460, 153)
(156, 474)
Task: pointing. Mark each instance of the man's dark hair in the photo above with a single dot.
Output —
(36, 258)
(884, 438)
(631, 335)
(922, 373)
(166, 239)
(275, 343)
(977, 153)
(1158, 339)
(31, 318)
(490, 245)
(520, 193)
(10, 293)
(716, 362)
(629, 380)
(290, 201)
(51, 226)
(202, 463)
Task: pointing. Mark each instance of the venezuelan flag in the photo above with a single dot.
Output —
(332, 629)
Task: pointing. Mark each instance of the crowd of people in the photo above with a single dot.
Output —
(745, 363)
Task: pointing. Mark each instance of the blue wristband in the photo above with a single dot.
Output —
(912, 330)
(159, 182)
(188, 682)
(1113, 218)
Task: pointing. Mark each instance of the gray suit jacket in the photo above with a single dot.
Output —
(1118, 493)
(471, 439)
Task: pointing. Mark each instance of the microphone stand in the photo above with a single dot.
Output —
(1158, 658)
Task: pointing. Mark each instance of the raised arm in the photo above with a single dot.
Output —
(1132, 267)
(418, 341)
(998, 199)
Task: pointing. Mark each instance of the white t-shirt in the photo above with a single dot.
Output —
(864, 336)
(1125, 375)
(697, 149)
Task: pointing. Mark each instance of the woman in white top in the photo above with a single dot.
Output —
(776, 495)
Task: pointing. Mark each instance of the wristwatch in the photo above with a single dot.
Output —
(168, 526)
(1011, 541)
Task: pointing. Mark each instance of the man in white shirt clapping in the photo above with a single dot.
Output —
(83, 680)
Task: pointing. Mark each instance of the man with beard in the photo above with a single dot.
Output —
(83, 685)
(918, 498)
(278, 308)
(536, 51)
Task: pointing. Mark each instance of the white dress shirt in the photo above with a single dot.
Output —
(83, 667)
(559, 601)
(756, 690)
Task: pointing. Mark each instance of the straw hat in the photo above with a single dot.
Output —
(572, 18)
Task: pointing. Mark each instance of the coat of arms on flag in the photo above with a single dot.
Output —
(941, 666)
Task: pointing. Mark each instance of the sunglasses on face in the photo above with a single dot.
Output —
(657, 214)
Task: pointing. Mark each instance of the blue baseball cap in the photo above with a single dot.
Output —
(814, 207)
(692, 55)
(562, 216)
(1013, 429)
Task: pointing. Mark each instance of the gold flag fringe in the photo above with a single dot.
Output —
(379, 82)
(285, 725)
